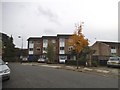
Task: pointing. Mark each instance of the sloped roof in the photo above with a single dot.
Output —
(107, 42)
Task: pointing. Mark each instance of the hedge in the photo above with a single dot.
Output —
(74, 62)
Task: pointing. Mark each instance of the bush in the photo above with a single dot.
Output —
(10, 59)
(95, 63)
(70, 62)
(74, 62)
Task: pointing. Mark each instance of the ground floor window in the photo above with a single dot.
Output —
(62, 59)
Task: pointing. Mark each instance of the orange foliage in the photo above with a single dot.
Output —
(78, 41)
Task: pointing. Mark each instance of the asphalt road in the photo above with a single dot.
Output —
(27, 76)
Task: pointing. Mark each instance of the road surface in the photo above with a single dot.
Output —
(28, 76)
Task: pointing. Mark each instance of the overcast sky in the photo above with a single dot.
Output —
(37, 18)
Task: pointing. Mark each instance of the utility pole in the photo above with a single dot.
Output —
(21, 53)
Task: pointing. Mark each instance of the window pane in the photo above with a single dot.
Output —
(61, 48)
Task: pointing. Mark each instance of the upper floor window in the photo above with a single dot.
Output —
(45, 41)
(62, 42)
(44, 48)
(113, 47)
(70, 48)
(61, 39)
(30, 49)
(30, 41)
(38, 49)
(61, 48)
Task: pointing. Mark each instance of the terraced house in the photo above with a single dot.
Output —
(37, 47)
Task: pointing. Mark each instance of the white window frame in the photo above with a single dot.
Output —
(62, 42)
(45, 42)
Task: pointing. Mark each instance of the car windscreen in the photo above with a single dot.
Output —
(114, 58)
(1, 62)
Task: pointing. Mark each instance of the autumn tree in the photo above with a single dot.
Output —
(78, 41)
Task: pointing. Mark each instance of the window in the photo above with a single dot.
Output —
(44, 48)
(70, 48)
(31, 49)
(61, 48)
(113, 51)
(63, 57)
(38, 49)
(45, 41)
(31, 41)
(113, 47)
(61, 39)
(62, 42)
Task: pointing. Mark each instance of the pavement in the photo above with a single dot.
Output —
(105, 71)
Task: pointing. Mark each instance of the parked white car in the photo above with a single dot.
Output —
(113, 61)
(62, 60)
(24, 59)
(41, 60)
(4, 70)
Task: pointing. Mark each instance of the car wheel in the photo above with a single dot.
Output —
(8, 78)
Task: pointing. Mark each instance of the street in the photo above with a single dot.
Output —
(28, 76)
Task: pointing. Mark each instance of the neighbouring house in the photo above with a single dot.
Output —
(103, 50)
(37, 47)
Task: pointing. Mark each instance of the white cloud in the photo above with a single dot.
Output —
(41, 17)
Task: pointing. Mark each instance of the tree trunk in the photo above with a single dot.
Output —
(77, 60)
(89, 61)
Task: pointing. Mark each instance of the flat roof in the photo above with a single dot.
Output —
(34, 38)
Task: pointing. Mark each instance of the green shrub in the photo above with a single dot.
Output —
(74, 62)
(95, 63)
(70, 62)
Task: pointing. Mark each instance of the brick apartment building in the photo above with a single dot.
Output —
(106, 49)
(63, 48)
(37, 46)
(34, 47)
